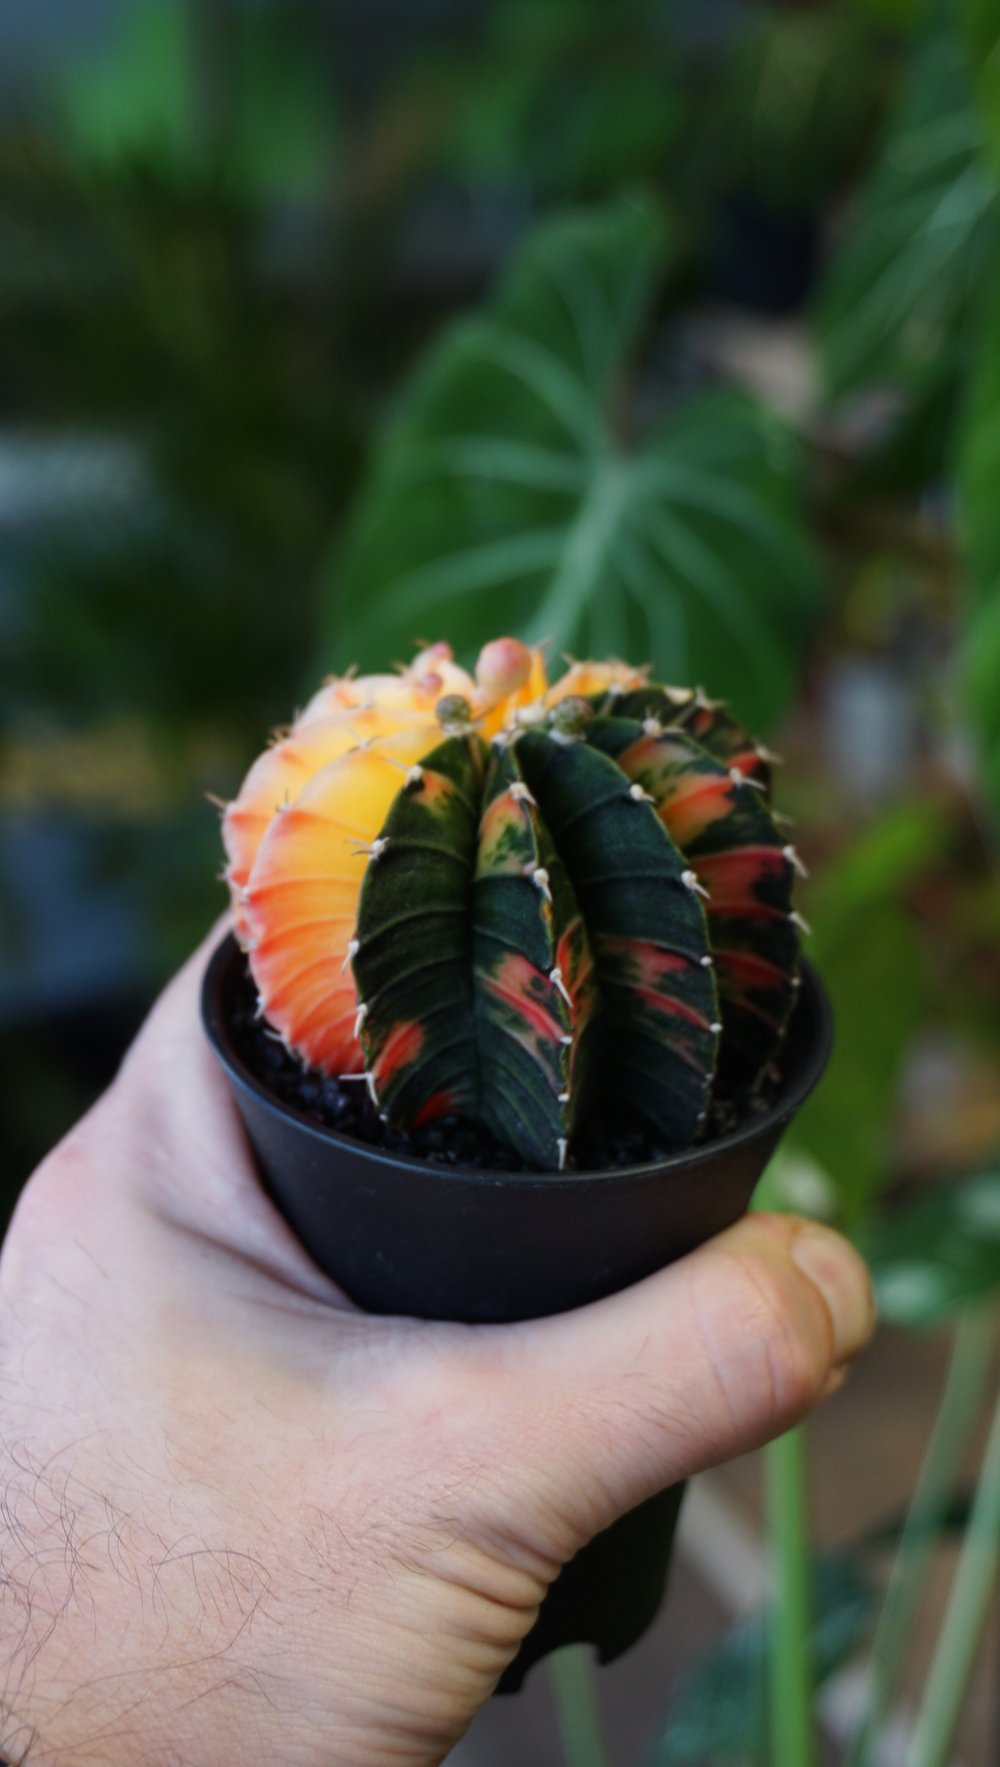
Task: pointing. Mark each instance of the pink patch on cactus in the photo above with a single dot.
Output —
(750, 971)
(530, 996)
(401, 1047)
(503, 666)
(444, 1103)
(733, 881)
(653, 972)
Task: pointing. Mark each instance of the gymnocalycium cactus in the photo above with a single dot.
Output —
(519, 904)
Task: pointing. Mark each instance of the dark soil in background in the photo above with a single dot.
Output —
(345, 1105)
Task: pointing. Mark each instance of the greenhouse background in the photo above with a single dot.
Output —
(255, 263)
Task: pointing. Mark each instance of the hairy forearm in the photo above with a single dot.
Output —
(69, 1686)
(118, 1643)
(129, 1639)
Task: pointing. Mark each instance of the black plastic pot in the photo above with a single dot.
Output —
(438, 1242)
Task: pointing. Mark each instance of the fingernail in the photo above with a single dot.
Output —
(834, 1267)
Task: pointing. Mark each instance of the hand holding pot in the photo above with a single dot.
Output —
(245, 1519)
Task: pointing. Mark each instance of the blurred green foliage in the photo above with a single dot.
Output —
(869, 950)
(978, 468)
(718, 1711)
(794, 103)
(508, 479)
(573, 97)
(205, 93)
(906, 283)
(938, 1255)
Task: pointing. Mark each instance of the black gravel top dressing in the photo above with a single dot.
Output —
(345, 1105)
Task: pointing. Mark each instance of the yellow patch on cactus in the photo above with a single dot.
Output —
(300, 901)
(415, 688)
(585, 678)
(279, 775)
(388, 694)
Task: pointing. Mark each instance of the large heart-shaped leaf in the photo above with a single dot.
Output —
(923, 229)
(506, 493)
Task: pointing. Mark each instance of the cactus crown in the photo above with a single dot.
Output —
(543, 904)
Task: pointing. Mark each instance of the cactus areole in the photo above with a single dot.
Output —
(543, 911)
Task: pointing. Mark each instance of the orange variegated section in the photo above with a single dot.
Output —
(355, 709)
(389, 694)
(301, 898)
(741, 863)
(278, 777)
(584, 679)
(416, 687)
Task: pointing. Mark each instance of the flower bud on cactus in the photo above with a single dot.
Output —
(521, 905)
(503, 667)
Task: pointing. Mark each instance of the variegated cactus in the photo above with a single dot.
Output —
(519, 904)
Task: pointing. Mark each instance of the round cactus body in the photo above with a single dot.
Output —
(518, 904)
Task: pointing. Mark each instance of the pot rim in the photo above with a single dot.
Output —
(794, 1091)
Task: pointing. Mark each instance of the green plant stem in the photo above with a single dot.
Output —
(572, 1676)
(790, 1667)
(965, 1614)
(960, 1401)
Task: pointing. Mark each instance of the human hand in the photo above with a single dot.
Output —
(244, 1520)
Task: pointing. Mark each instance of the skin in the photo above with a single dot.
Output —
(242, 1520)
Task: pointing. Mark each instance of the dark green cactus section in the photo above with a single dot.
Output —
(457, 943)
(657, 1027)
(522, 1012)
(413, 965)
(741, 860)
(707, 721)
(592, 915)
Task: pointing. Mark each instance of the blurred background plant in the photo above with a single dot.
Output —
(667, 328)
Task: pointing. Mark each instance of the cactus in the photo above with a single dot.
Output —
(520, 905)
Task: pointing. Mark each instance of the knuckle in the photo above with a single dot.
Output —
(772, 1354)
(797, 1369)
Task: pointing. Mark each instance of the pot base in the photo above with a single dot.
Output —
(610, 1593)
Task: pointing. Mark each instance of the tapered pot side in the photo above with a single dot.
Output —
(403, 1236)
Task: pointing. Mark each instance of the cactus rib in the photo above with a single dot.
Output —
(457, 943)
(653, 1032)
(742, 863)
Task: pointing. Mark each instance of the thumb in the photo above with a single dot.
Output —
(713, 1356)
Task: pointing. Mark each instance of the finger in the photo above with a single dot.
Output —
(168, 1023)
(712, 1356)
